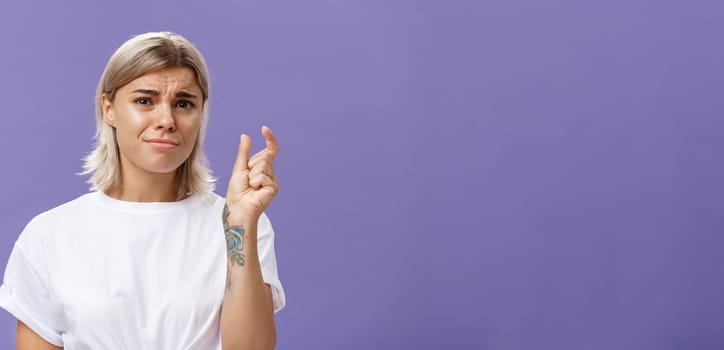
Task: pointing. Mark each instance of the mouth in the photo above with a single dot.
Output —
(164, 144)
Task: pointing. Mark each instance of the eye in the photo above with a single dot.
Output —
(185, 104)
(143, 101)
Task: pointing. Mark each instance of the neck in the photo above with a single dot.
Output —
(141, 186)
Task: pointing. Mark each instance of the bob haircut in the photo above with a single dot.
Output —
(139, 55)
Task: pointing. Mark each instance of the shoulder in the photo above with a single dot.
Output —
(50, 219)
(38, 234)
(63, 210)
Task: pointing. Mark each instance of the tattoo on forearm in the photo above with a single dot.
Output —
(234, 245)
(228, 278)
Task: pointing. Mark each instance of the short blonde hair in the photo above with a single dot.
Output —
(140, 55)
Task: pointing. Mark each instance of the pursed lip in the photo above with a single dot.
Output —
(164, 144)
(166, 141)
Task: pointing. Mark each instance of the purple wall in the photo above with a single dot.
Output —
(455, 174)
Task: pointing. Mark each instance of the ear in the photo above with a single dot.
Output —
(106, 106)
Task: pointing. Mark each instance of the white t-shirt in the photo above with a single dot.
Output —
(99, 273)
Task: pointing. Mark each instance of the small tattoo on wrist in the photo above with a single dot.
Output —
(234, 239)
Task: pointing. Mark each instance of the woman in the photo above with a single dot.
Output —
(151, 258)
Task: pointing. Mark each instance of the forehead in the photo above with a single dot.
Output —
(166, 79)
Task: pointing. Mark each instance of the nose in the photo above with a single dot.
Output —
(165, 120)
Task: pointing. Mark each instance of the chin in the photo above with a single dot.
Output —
(163, 168)
(167, 170)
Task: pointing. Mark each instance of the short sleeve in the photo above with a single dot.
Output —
(25, 294)
(268, 261)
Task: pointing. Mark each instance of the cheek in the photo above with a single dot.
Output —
(129, 121)
(191, 130)
(127, 143)
(130, 126)
(128, 130)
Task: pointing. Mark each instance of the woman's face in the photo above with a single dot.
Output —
(157, 118)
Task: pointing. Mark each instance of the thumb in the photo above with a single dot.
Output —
(242, 157)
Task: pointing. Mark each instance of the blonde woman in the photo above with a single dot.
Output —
(151, 258)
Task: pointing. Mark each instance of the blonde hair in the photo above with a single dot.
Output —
(140, 55)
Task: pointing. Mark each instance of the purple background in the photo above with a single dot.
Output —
(455, 174)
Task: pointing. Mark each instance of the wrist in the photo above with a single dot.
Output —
(248, 225)
(236, 217)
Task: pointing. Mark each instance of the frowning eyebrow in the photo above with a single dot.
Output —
(184, 94)
(180, 94)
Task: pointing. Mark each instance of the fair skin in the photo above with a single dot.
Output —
(157, 118)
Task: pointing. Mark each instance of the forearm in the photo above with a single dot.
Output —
(27, 339)
(247, 313)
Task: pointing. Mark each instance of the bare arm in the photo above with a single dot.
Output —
(26, 339)
(247, 312)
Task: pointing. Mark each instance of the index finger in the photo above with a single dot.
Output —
(272, 147)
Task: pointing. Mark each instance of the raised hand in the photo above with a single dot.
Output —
(252, 185)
